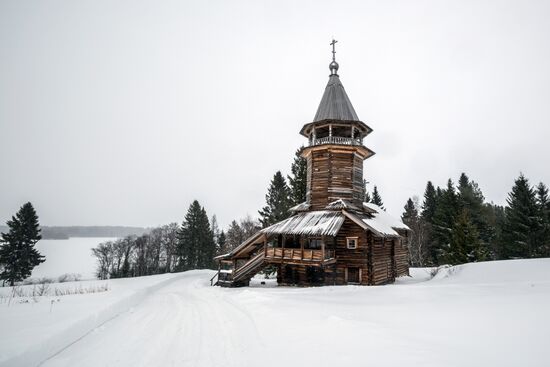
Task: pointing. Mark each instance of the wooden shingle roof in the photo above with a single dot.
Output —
(335, 104)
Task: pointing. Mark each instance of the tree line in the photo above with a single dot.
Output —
(174, 247)
(455, 225)
(197, 240)
(452, 225)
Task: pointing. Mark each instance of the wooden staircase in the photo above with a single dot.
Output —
(241, 276)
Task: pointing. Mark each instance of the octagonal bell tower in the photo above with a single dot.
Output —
(335, 152)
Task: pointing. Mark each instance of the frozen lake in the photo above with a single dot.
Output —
(68, 256)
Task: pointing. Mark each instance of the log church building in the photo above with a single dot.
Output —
(333, 238)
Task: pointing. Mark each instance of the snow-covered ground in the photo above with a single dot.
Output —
(72, 256)
(484, 314)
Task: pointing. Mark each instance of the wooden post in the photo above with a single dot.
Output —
(283, 247)
(323, 248)
(302, 247)
(330, 133)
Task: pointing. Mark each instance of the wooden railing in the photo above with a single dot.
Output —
(340, 140)
(217, 277)
(249, 267)
(298, 254)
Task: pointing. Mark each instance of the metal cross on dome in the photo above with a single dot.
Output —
(333, 44)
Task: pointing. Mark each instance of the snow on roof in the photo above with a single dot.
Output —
(317, 223)
(340, 204)
(300, 207)
(382, 222)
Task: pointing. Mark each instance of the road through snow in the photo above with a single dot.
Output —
(184, 323)
(482, 314)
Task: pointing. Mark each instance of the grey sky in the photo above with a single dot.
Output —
(122, 112)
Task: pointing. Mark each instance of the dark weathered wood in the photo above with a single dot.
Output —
(334, 172)
(334, 157)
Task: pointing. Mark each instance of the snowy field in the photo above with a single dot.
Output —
(484, 314)
(72, 256)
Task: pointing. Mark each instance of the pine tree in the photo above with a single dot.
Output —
(376, 198)
(277, 200)
(297, 182)
(18, 256)
(521, 223)
(196, 246)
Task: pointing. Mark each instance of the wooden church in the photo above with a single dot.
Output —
(333, 238)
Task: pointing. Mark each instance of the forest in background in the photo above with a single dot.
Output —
(450, 225)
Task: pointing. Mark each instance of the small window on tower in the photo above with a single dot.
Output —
(352, 242)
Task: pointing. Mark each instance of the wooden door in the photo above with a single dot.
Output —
(353, 275)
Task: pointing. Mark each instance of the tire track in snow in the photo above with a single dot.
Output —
(185, 323)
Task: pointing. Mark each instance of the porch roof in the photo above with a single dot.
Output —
(316, 223)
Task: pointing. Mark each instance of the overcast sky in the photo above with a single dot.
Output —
(123, 112)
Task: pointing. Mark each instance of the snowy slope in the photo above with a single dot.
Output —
(485, 314)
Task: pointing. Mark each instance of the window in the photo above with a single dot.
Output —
(314, 243)
(352, 242)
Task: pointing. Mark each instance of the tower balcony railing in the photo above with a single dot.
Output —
(340, 140)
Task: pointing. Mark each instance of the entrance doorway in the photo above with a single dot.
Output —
(353, 275)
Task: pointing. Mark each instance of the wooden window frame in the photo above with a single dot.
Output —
(356, 239)
(321, 243)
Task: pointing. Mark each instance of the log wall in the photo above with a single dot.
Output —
(334, 173)
(378, 260)
(402, 255)
(351, 258)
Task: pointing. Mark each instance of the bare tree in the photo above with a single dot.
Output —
(104, 256)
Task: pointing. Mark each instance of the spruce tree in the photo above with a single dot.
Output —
(18, 256)
(410, 213)
(495, 215)
(428, 207)
(427, 214)
(464, 245)
(543, 237)
(377, 199)
(521, 224)
(196, 246)
(444, 220)
(471, 200)
(297, 182)
(277, 200)
(221, 243)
